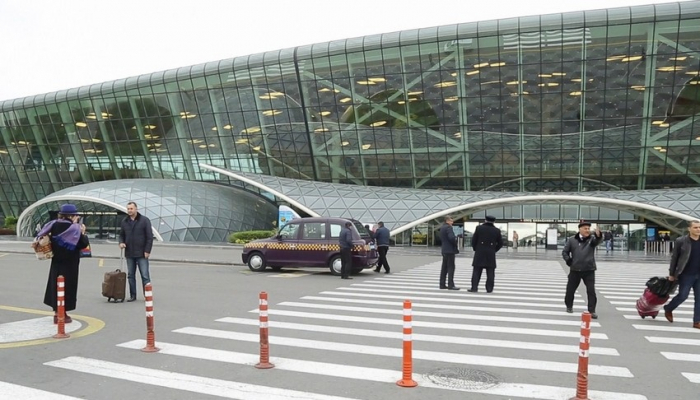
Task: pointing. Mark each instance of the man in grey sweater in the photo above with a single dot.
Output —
(579, 255)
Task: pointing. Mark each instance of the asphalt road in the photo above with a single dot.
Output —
(335, 339)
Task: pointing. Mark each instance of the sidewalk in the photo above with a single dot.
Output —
(214, 253)
(230, 254)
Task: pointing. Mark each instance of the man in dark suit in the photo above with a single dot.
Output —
(486, 242)
(449, 250)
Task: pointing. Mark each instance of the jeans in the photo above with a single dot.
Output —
(608, 245)
(142, 263)
(685, 283)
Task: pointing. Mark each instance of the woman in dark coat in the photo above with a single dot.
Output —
(67, 239)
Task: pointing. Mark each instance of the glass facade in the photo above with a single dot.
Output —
(600, 100)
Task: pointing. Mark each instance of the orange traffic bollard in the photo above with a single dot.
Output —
(584, 346)
(264, 340)
(150, 332)
(61, 308)
(407, 380)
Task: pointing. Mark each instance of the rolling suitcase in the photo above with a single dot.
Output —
(655, 296)
(114, 285)
(650, 304)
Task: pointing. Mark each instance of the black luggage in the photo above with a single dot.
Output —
(661, 286)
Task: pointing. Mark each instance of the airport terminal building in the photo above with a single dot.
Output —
(540, 121)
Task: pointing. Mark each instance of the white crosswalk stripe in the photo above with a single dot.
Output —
(623, 294)
(11, 391)
(519, 332)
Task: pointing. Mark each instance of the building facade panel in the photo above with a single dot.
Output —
(587, 101)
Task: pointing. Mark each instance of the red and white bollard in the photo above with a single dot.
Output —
(61, 308)
(407, 380)
(584, 346)
(264, 340)
(150, 332)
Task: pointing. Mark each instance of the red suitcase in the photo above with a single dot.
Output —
(650, 304)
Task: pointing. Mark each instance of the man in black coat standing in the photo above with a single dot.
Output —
(136, 239)
(579, 255)
(449, 250)
(486, 242)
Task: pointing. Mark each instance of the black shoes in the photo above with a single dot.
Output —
(386, 272)
(569, 310)
(443, 287)
(377, 270)
(133, 298)
(345, 277)
(472, 290)
(453, 288)
(594, 315)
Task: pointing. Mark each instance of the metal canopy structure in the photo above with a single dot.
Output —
(403, 208)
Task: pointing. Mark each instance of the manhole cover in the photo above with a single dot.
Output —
(473, 379)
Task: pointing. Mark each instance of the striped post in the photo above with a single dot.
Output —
(584, 346)
(407, 380)
(264, 341)
(150, 332)
(61, 308)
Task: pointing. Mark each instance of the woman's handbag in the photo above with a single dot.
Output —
(42, 247)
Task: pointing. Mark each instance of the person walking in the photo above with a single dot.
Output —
(449, 251)
(579, 255)
(516, 238)
(136, 238)
(67, 239)
(345, 241)
(486, 242)
(608, 238)
(685, 267)
(381, 236)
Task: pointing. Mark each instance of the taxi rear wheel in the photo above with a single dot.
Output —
(335, 265)
(257, 262)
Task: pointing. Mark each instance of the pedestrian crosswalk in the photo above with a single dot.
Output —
(346, 342)
(623, 284)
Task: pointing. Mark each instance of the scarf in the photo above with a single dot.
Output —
(67, 239)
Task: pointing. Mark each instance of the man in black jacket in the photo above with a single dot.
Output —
(382, 236)
(486, 242)
(579, 255)
(685, 267)
(449, 250)
(346, 244)
(136, 238)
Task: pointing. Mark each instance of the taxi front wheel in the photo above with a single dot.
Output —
(257, 262)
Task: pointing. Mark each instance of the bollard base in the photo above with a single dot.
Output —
(579, 398)
(264, 365)
(61, 336)
(150, 349)
(407, 383)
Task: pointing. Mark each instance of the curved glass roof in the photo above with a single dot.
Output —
(179, 210)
